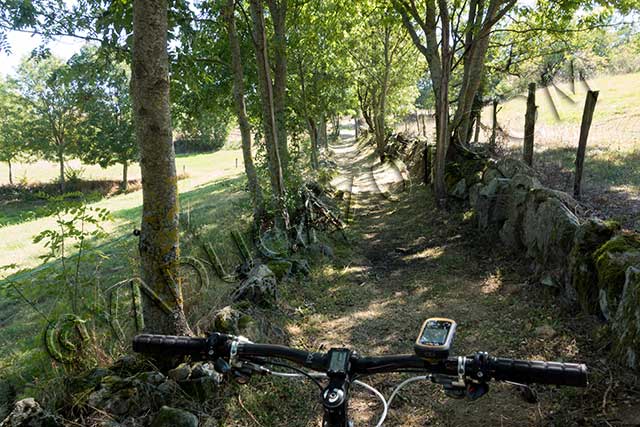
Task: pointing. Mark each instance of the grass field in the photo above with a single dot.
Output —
(200, 169)
(611, 181)
(214, 189)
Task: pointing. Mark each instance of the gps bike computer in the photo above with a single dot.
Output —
(435, 338)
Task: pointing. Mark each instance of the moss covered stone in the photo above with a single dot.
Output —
(509, 167)
(228, 320)
(583, 278)
(612, 261)
(172, 417)
(626, 323)
(281, 268)
(469, 170)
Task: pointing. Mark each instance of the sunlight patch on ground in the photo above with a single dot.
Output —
(433, 252)
(492, 283)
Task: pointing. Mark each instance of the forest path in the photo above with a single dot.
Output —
(409, 261)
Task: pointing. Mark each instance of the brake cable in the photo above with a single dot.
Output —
(302, 374)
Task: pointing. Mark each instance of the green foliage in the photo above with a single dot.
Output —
(107, 129)
(387, 62)
(12, 115)
(75, 223)
(52, 119)
(560, 41)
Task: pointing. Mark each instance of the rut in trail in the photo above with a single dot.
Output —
(407, 262)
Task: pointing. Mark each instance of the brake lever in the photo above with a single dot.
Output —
(243, 371)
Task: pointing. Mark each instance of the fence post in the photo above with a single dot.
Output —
(494, 125)
(587, 117)
(529, 125)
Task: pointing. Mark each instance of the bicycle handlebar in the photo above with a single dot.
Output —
(481, 368)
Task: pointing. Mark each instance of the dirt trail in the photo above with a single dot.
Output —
(409, 261)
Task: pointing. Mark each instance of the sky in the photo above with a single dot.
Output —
(23, 43)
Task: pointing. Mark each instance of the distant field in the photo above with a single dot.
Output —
(42, 171)
(611, 181)
(19, 249)
(616, 123)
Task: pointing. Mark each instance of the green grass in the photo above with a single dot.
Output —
(216, 202)
(610, 181)
(617, 98)
(18, 243)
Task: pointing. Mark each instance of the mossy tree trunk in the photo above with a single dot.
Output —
(241, 111)
(159, 238)
(265, 86)
(278, 11)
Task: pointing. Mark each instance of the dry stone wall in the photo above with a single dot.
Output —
(595, 263)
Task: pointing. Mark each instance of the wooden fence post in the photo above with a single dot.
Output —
(494, 126)
(529, 125)
(587, 117)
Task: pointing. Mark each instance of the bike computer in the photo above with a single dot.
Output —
(435, 338)
(339, 362)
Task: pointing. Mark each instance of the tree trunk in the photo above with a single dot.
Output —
(159, 235)
(323, 132)
(442, 113)
(313, 135)
(10, 172)
(241, 112)
(529, 125)
(124, 185)
(278, 10)
(268, 115)
(61, 164)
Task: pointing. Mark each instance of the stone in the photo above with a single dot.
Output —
(28, 413)
(260, 287)
(509, 167)
(460, 190)
(582, 284)
(133, 396)
(202, 389)
(612, 261)
(180, 372)
(228, 320)
(173, 417)
(626, 323)
(490, 174)
(544, 193)
(516, 206)
(548, 231)
(544, 331)
(525, 182)
(469, 170)
(491, 203)
(128, 364)
(474, 192)
(280, 267)
(202, 370)
(300, 267)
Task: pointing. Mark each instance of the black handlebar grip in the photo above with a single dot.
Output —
(170, 345)
(531, 371)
